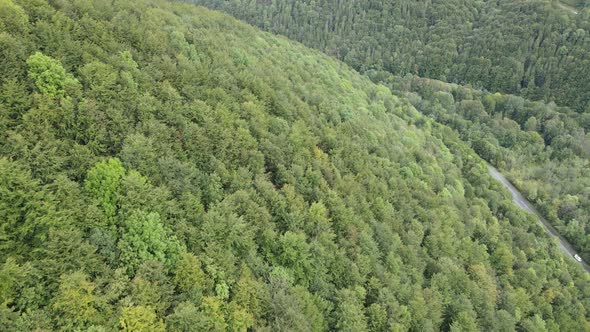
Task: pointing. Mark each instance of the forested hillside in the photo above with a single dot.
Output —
(537, 49)
(534, 48)
(166, 167)
(544, 148)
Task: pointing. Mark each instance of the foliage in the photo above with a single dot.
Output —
(103, 181)
(140, 319)
(47, 74)
(74, 302)
(544, 149)
(144, 238)
(538, 49)
(202, 175)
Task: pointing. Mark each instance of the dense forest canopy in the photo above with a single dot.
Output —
(545, 149)
(534, 48)
(166, 167)
(538, 49)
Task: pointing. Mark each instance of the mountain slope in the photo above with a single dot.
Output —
(545, 149)
(532, 48)
(164, 166)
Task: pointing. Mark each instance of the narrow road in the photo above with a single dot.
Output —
(568, 8)
(524, 204)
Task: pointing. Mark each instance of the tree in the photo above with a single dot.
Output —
(377, 318)
(535, 323)
(464, 323)
(140, 319)
(100, 78)
(102, 183)
(349, 314)
(152, 287)
(12, 276)
(502, 258)
(190, 279)
(292, 308)
(74, 305)
(294, 254)
(186, 318)
(531, 124)
(23, 209)
(48, 75)
(13, 19)
(212, 309)
(250, 293)
(144, 238)
(238, 318)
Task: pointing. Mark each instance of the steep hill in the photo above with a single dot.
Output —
(544, 148)
(536, 49)
(166, 167)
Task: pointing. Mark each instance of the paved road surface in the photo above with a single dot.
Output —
(527, 206)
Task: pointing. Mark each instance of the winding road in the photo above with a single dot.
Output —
(524, 204)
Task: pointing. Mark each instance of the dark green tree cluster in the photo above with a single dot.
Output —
(545, 149)
(165, 167)
(539, 49)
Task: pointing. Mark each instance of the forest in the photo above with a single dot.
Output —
(522, 97)
(537, 49)
(543, 148)
(165, 167)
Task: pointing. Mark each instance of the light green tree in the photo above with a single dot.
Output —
(74, 304)
(143, 238)
(140, 319)
(102, 183)
(48, 74)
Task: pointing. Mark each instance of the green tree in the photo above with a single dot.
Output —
(74, 305)
(464, 323)
(13, 19)
(140, 319)
(377, 318)
(152, 287)
(12, 277)
(349, 313)
(186, 318)
(102, 183)
(503, 260)
(144, 238)
(535, 323)
(48, 75)
(189, 278)
(238, 318)
(212, 309)
(24, 209)
(294, 254)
